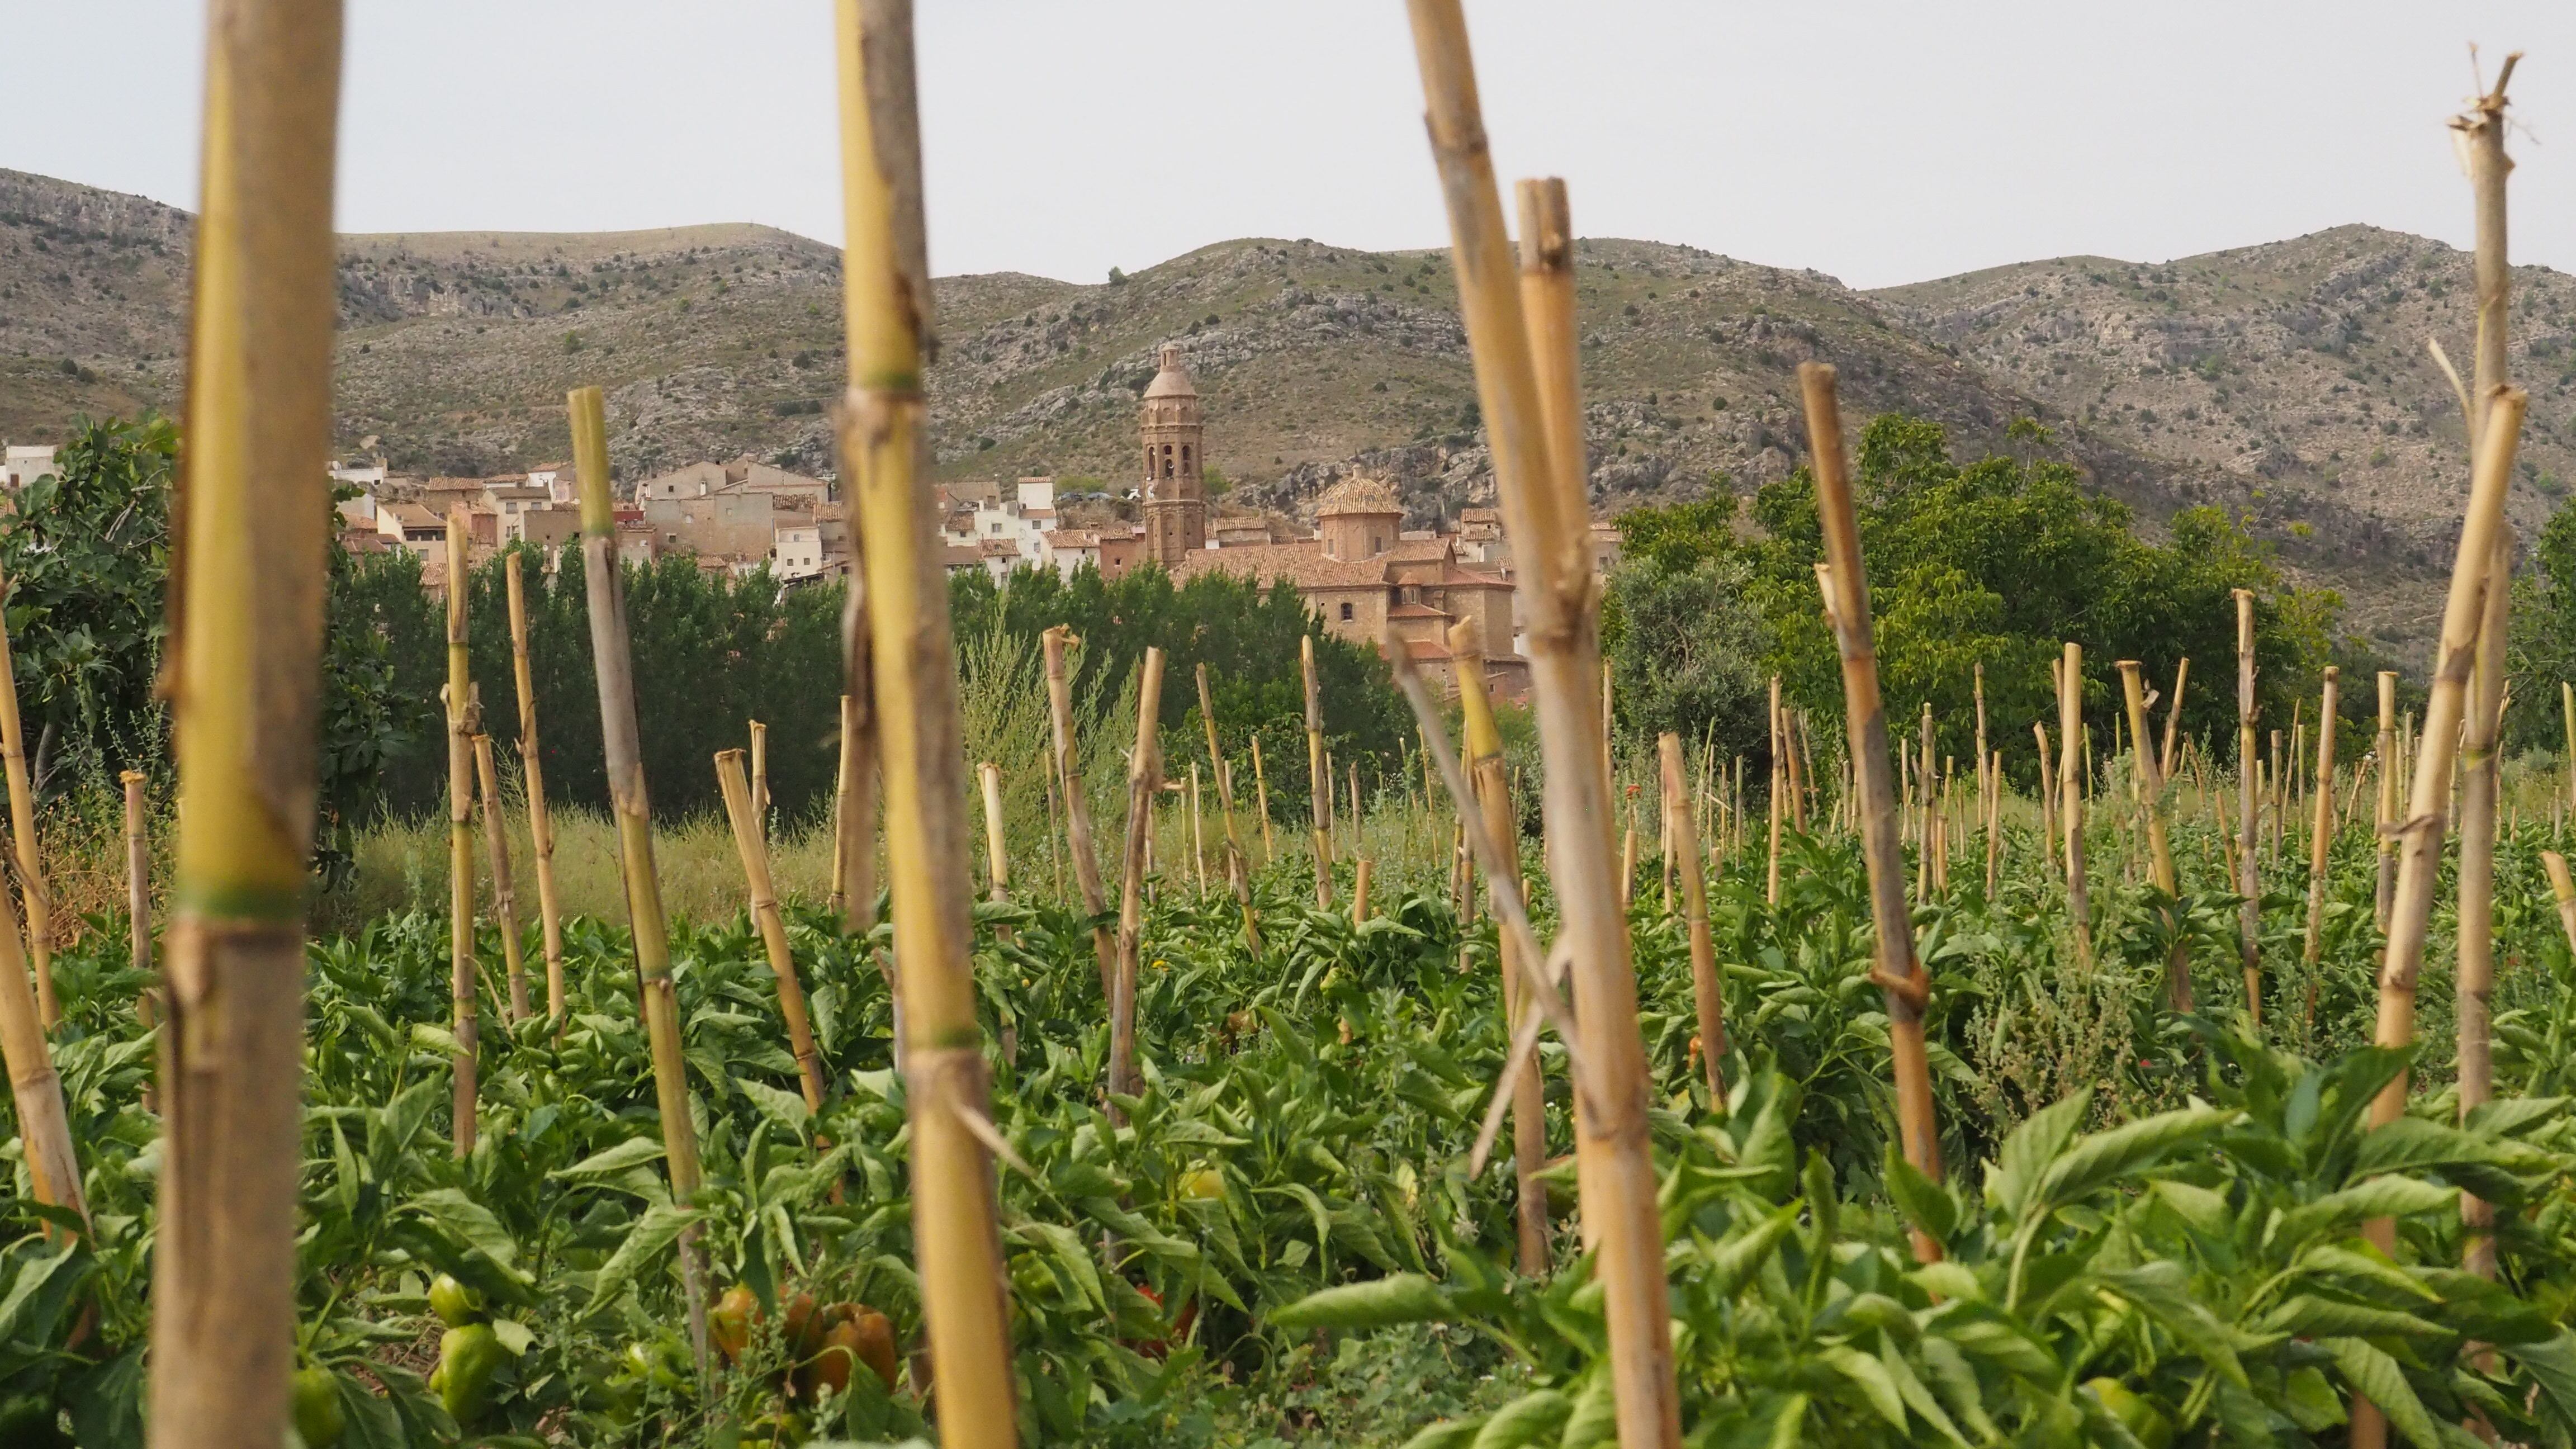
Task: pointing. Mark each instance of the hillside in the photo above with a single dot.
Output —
(2288, 381)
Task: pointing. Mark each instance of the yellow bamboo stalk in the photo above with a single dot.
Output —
(2151, 784)
(1319, 778)
(138, 910)
(887, 274)
(1779, 802)
(2388, 765)
(1484, 740)
(1903, 983)
(742, 813)
(2321, 836)
(604, 583)
(247, 588)
(26, 855)
(2070, 796)
(1684, 833)
(463, 981)
(1077, 805)
(2047, 800)
(1144, 782)
(2562, 886)
(505, 891)
(760, 776)
(1198, 831)
(532, 779)
(2165, 759)
(1360, 890)
(1238, 870)
(1533, 417)
(2567, 706)
(2420, 833)
(1261, 799)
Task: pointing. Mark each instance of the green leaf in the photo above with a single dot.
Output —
(1530, 1419)
(1445, 1434)
(2380, 1380)
(608, 1162)
(2308, 1316)
(1733, 1263)
(652, 1233)
(2104, 1158)
(468, 1222)
(1396, 1298)
(2552, 1363)
(1926, 1204)
(788, 1108)
(2015, 1180)
(1872, 1379)
(2381, 1197)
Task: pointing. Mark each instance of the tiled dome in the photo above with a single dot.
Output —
(1358, 496)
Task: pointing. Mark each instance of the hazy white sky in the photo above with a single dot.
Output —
(1880, 141)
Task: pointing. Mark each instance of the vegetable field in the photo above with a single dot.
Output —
(2131, 1087)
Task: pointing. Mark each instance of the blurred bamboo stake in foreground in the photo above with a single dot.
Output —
(245, 654)
(957, 1251)
(604, 582)
(1905, 986)
(1525, 382)
(25, 852)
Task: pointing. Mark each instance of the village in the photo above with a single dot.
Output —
(1360, 569)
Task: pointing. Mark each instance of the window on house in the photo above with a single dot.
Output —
(1346, 611)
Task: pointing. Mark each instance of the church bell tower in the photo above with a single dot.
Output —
(1175, 497)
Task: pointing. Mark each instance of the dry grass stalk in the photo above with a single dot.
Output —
(1261, 801)
(463, 980)
(26, 856)
(247, 586)
(532, 780)
(1077, 805)
(2070, 796)
(505, 891)
(1525, 377)
(914, 662)
(2165, 758)
(1906, 987)
(741, 811)
(621, 742)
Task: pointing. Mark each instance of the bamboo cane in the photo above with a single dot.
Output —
(247, 587)
(1906, 987)
(464, 982)
(1238, 870)
(505, 891)
(887, 274)
(532, 779)
(1779, 754)
(138, 911)
(1261, 798)
(2484, 127)
(1198, 832)
(2445, 708)
(1525, 376)
(2321, 834)
(1359, 846)
(1360, 890)
(1144, 781)
(27, 857)
(742, 813)
(622, 745)
(2165, 759)
(2151, 785)
(1484, 742)
(1710, 1006)
(1318, 777)
(2562, 886)
(760, 776)
(2389, 766)
(1994, 823)
(2047, 796)
(2249, 886)
(2070, 796)
(997, 850)
(2567, 706)
(1046, 775)
(1077, 805)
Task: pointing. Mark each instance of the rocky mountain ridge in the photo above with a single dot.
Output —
(2288, 381)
